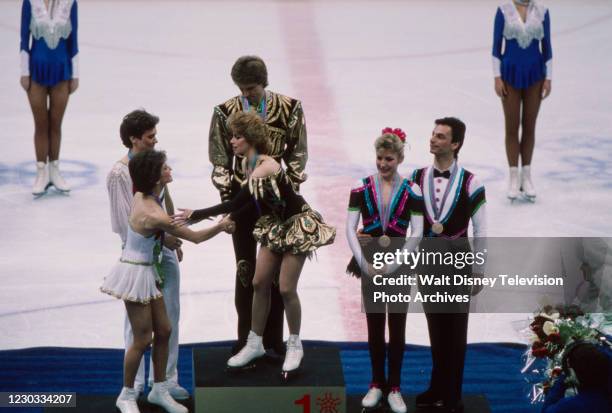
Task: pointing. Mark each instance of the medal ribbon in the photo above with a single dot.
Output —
(384, 209)
(261, 109)
(432, 198)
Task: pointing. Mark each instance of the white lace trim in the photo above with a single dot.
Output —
(524, 32)
(53, 27)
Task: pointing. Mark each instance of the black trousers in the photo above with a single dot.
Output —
(245, 250)
(378, 351)
(448, 337)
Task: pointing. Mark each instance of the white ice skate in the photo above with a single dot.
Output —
(253, 350)
(56, 177)
(41, 183)
(294, 356)
(396, 402)
(372, 399)
(160, 396)
(527, 187)
(126, 402)
(513, 184)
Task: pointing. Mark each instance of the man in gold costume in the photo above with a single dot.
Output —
(284, 118)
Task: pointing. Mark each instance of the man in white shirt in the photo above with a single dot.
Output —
(138, 133)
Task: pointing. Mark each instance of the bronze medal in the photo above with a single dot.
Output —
(384, 241)
(437, 228)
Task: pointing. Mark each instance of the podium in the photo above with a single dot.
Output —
(473, 403)
(317, 388)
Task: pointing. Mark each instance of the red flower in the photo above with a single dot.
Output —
(555, 338)
(397, 132)
(556, 372)
(539, 350)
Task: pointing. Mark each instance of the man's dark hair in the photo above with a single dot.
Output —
(135, 124)
(145, 169)
(591, 365)
(457, 130)
(248, 70)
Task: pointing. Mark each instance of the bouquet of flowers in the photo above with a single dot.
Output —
(552, 331)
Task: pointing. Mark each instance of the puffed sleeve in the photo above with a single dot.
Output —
(296, 152)
(547, 46)
(119, 188)
(73, 44)
(220, 154)
(498, 40)
(24, 54)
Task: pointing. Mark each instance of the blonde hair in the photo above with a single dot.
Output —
(390, 141)
(250, 126)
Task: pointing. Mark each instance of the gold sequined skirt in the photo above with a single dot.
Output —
(302, 233)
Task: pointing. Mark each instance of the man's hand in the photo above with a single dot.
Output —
(227, 225)
(364, 239)
(172, 242)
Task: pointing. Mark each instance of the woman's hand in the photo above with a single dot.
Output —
(74, 85)
(25, 82)
(227, 224)
(546, 88)
(182, 218)
(500, 88)
(364, 239)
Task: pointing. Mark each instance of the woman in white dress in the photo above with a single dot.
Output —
(136, 276)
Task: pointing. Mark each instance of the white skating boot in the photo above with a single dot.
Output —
(126, 402)
(294, 356)
(160, 396)
(513, 185)
(253, 350)
(372, 398)
(56, 177)
(396, 401)
(526, 184)
(42, 179)
(177, 391)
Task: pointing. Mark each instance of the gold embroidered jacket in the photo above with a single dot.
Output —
(287, 128)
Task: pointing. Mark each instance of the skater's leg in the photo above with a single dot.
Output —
(397, 345)
(139, 381)
(512, 111)
(161, 336)
(376, 345)
(267, 264)
(532, 97)
(141, 321)
(58, 100)
(290, 270)
(457, 344)
(245, 250)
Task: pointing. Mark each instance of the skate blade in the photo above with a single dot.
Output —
(249, 366)
(528, 198)
(380, 407)
(288, 375)
(61, 191)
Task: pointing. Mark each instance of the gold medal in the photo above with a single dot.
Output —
(384, 241)
(437, 228)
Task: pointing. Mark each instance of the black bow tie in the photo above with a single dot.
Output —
(438, 174)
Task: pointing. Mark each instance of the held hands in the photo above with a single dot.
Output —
(182, 218)
(500, 88)
(25, 82)
(227, 224)
(172, 242)
(546, 88)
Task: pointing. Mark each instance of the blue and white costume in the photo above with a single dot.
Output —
(53, 54)
(522, 52)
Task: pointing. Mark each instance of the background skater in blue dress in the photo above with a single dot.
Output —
(49, 74)
(522, 65)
